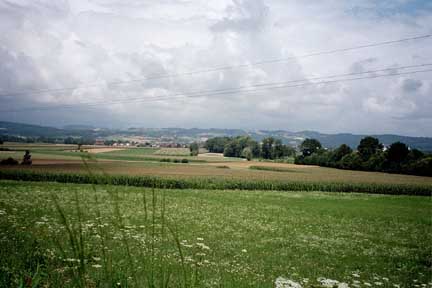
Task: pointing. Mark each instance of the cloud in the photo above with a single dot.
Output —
(93, 44)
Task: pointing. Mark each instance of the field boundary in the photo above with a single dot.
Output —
(216, 184)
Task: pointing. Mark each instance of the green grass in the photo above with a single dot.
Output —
(216, 183)
(70, 235)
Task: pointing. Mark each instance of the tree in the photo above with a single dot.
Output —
(415, 155)
(194, 149)
(310, 146)
(288, 151)
(230, 149)
(266, 147)
(27, 158)
(351, 161)
(277, 149)
(217, 144)
(397, 152)
(247, 153)
(340, 152)
(368, 146)
(421, 167)
(377, 162)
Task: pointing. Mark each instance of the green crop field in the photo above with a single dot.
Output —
(70, 235)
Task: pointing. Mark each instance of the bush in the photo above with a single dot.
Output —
(422, 167)
(9, 161)
(273, 169)
(351, 161)
(376, 162)
(184, 161)
(165, 160)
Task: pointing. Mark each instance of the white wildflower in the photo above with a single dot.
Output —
(203, 246)
(286, 283)
(356, 275)
(244, 250)
(96, 266)
(330, 283)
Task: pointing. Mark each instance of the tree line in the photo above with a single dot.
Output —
(248, 148)
(371, 155)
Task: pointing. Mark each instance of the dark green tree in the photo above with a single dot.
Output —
(267, 147)
(352, 161)
(310, 146)
(194, 149)
(277, 149)
(368, 146)
(230, 149)
(340, 152)
(247, 153)
(397, 152)
(217, 144)
(415, 154)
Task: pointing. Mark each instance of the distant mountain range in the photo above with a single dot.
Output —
(195, 134)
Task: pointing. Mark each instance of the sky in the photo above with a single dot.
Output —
(56, 55)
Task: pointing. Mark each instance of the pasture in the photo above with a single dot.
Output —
(112, 236)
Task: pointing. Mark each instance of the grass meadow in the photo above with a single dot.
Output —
(71, 235)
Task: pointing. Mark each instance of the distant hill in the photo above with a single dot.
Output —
(78, 127)
(197, 134)
(28, 130)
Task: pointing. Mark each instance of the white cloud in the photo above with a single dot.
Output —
(58, 44)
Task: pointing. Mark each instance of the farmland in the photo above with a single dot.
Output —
(143, 161)
(209, 222)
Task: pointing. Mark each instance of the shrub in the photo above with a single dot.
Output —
(9, 161)
(421, 167)
(223, 167)
(376, 162)
(351, 161)
(274, 169)
(184, 160)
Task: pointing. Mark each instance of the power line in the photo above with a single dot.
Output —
(257, 85)
(245, 89)
(216, 69)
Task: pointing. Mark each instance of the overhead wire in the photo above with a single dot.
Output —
(241, 89)
(215, 69)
